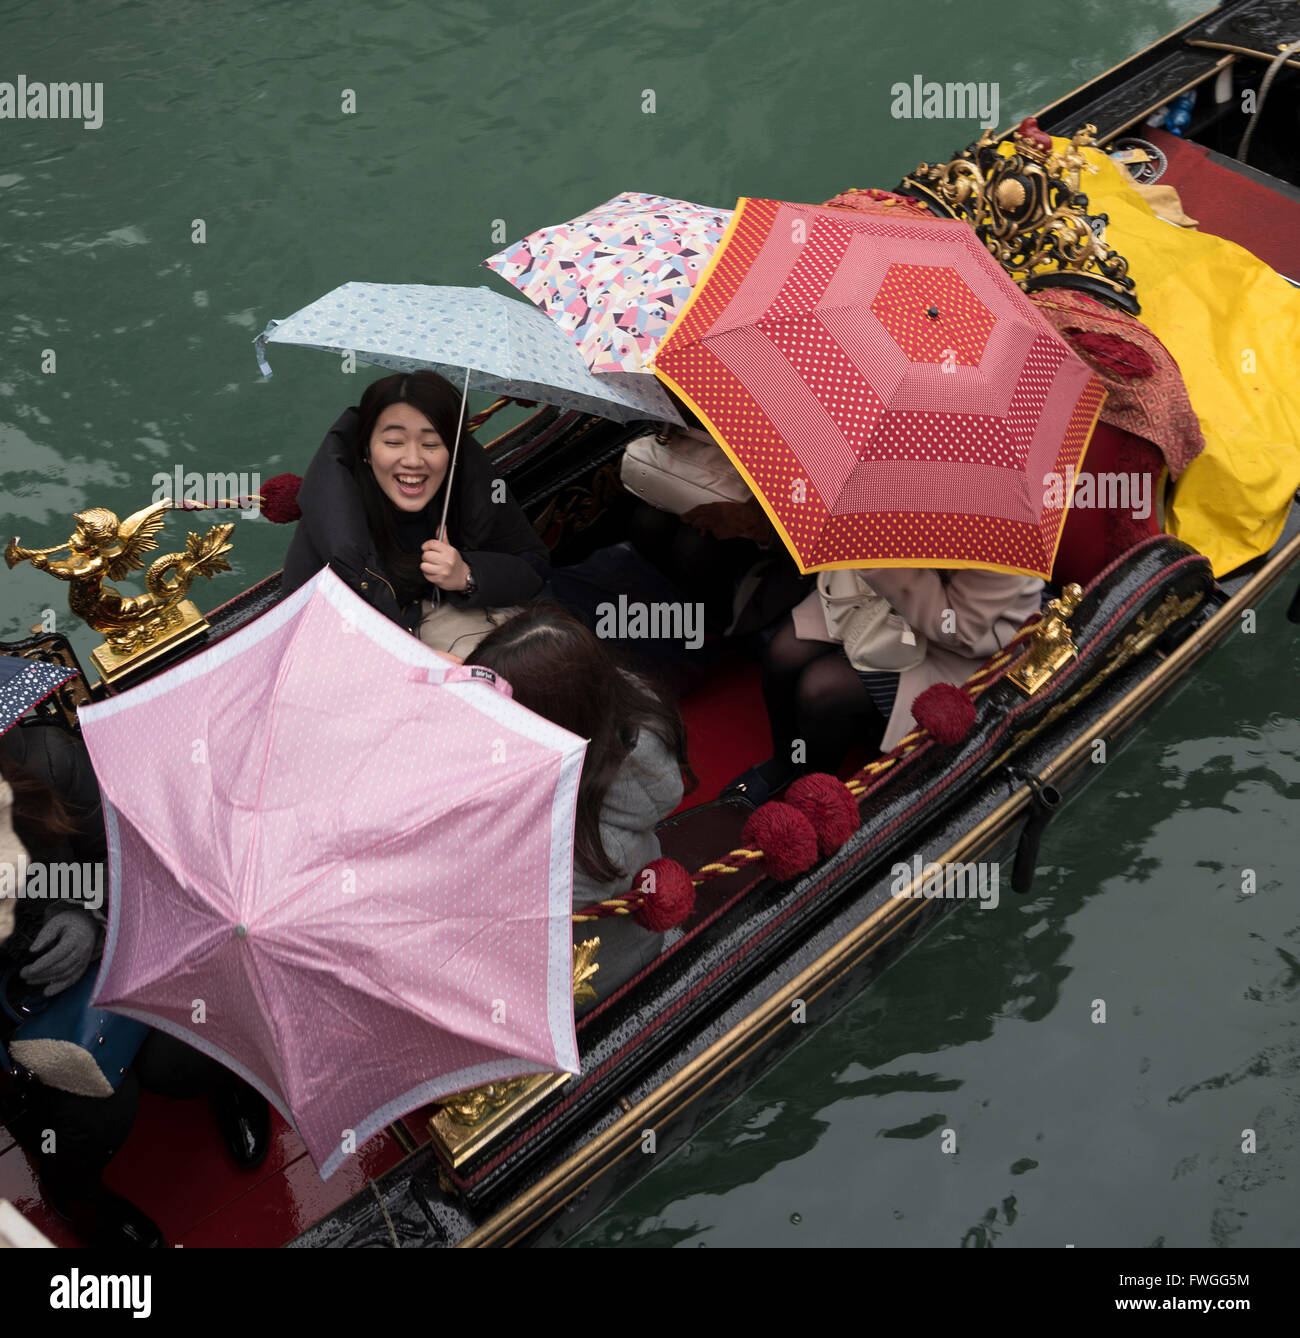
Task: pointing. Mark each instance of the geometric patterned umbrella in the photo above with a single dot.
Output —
(614, 279)
(890, 395)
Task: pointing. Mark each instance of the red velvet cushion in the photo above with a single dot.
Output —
(1093, 537)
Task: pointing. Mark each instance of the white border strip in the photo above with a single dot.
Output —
(564, 806)
(487, 701)
(381, 630)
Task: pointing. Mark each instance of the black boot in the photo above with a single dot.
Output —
(757, 785)
(245, 1120)
(106, 1220)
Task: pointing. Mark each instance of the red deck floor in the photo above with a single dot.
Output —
(1232, 206)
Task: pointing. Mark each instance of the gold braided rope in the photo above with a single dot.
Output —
(861, 781)
(624, 906)
(859, 784)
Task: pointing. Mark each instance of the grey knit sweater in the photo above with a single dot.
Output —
(647, 788)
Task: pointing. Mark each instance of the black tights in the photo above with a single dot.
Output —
(813, 693)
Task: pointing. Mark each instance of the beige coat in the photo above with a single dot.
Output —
(987, 609)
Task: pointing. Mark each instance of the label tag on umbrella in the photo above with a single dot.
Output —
(476, 673)
(908, 636)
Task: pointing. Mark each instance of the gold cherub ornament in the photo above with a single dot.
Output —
(102, 549)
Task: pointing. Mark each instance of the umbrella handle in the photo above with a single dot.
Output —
(259, 349)
(455, 454)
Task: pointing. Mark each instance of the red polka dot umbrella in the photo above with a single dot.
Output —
(891, 397)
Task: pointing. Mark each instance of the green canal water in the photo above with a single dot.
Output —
(226, 186)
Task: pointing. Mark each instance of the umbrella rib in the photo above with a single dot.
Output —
(165, 970)
(152, 841)
(382, 991)
(275, 1024)
(421, 822)
(282, 672)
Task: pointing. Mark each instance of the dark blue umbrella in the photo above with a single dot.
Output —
(23, 683)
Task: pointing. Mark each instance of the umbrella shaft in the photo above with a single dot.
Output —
(455, 455)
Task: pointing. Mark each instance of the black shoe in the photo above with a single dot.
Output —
(757, 785)
(245, 1120)
(108, 1221)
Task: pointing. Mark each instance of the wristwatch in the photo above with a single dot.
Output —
(471, 585)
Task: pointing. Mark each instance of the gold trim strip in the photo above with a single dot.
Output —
(402, 1136)
(1293, 61)
(459, 1142)
(566, 1180)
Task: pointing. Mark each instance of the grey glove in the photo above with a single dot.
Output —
(66, 945)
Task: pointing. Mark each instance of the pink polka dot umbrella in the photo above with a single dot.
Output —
(341, 866)
(890, 395)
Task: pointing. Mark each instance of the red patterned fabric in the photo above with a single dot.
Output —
(1113, 354)
(1153, 406)
(869, 200)
(891, 396)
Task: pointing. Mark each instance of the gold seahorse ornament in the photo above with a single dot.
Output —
(102, 549)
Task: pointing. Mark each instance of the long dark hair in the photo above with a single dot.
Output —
(439, 401)
(560, 670)
(39, 816)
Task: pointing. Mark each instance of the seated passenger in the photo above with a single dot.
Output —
(50, 814)
(815, 696)
(719, 564)
(44, 948)
(632, 776)
(725, 554)
(372, 502)
(710, 550)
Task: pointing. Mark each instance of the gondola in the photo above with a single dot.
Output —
(767, 954)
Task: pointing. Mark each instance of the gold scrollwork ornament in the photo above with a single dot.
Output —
(101, 549)
(1150, 626)
(1052, 646)
(472, 1106)
(1026, 207)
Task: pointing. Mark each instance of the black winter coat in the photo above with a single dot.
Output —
(60, 760)
(509, 560)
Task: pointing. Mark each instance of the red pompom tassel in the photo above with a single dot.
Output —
(785, 837)
(826, 802)
(280, 499)
(946, 713)
(667, 897)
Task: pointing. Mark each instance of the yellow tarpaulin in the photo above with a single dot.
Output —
(1233, 326)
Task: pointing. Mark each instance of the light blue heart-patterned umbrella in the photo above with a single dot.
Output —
(508, 347)
(473, 335)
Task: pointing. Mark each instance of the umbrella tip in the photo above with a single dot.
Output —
(241, 931)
